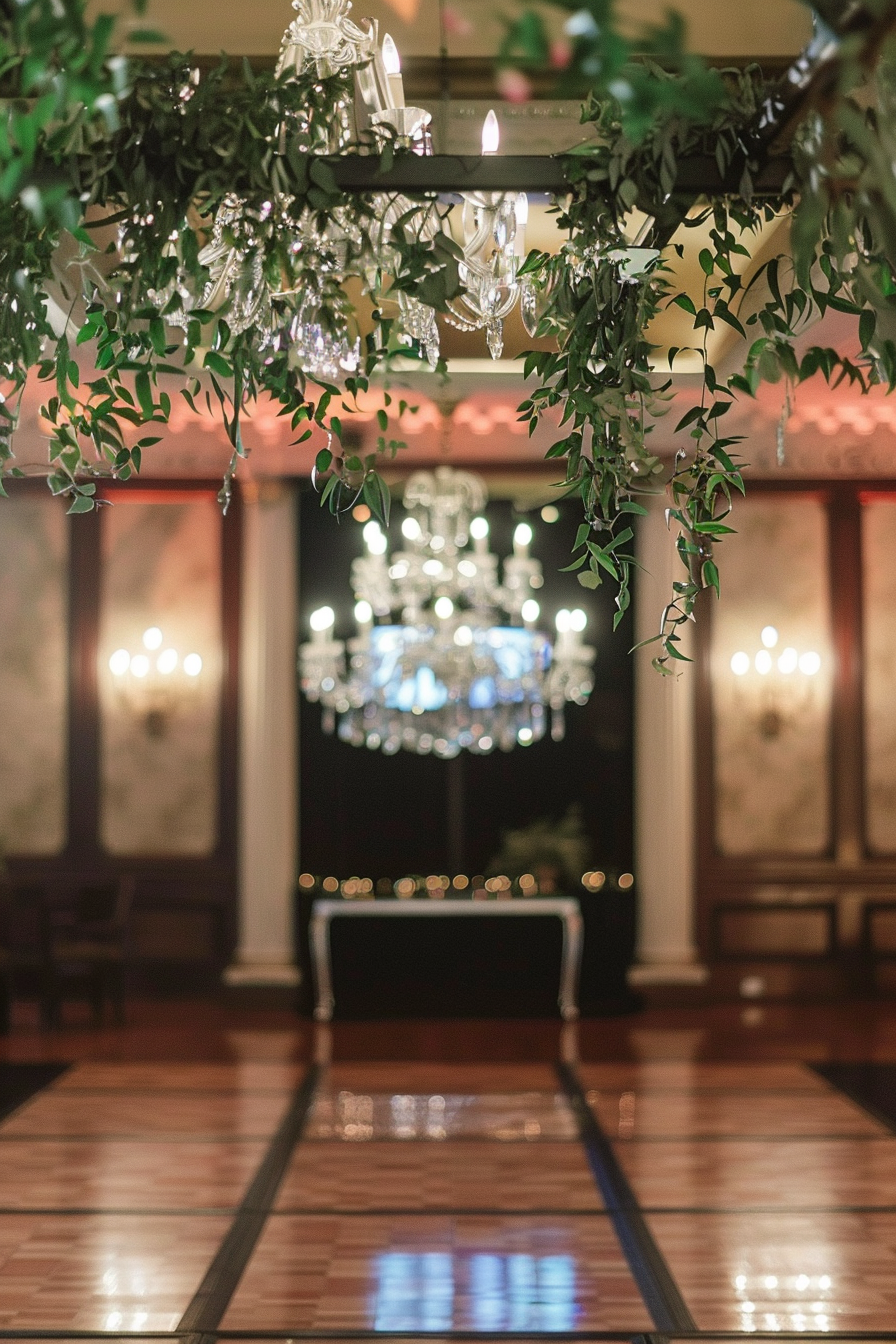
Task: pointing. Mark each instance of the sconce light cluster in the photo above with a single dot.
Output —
(781, 682)
(155, 682)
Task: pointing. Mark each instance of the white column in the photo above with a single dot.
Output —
(664, 777)
(268, 783)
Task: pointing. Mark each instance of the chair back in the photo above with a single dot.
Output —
(105, 907)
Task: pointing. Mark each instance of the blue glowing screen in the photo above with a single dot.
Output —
(438, 1291)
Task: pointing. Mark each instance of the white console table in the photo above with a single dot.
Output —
(563, 908)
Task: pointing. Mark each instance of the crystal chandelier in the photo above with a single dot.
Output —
(447, 655)
(494, 244)
(368, 113)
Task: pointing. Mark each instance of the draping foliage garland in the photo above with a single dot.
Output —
(185, 219)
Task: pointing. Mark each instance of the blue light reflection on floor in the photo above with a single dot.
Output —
(417, 1291)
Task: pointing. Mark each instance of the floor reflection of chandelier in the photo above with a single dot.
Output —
(463, 666)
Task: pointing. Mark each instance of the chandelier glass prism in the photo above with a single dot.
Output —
(448, 654)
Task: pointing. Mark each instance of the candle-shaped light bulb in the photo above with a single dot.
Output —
(392, 67)
(521, 539)
(374, 538)
(321, 621)
(479, 533)
(491, 133)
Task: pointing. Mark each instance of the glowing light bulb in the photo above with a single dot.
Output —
(119, 662)
(152, 638)
(521, 209)
(491, 133)
(463, 636)
(192, 664)
(763, 662)
(530, 610)
(524, 737)
(411, 529)
(479, 529)
(521, 538)
(788, 661)
(166, 662)
(321, 619)
(740, 664)
(374, 538)
(444, 608)
(550, 513)
(769, 636)
(139, 665)
(577, 619)
(809, 664)
(363, 612)
(563, 621)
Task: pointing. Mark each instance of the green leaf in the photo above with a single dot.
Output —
(218, 364)
(589, 579)
(687, 304)
(867, 324)
(143, 389)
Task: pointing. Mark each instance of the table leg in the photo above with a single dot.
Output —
(570, 966)
(319, 937)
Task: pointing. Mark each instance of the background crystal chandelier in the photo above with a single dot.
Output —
(447, 656)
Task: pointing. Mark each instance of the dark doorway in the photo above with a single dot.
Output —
(368, 814)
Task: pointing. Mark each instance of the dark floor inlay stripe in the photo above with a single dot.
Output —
(205, 1312)
(20, 1082)
(871, 1086)
(649, 1269)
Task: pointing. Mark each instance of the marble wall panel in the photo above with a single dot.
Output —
(771, 731)
(879, 598)
(159, 734)
(33, 657)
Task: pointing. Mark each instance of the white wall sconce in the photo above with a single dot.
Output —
(157, 682)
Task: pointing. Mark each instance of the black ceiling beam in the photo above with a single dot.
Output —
(446, 173)
(536, 173)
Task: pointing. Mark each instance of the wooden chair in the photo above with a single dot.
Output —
(89, 944)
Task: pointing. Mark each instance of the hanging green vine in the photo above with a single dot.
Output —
(178, 226)
(599, 296)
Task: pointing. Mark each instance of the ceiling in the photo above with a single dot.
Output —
(473, 419)
(751, 28)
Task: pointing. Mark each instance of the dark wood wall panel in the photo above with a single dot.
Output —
(785, 930)
(184, 917)
(837, 908)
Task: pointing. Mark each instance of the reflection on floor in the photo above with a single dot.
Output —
(430, 1196)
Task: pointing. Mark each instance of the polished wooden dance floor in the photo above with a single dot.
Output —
(245, 1179)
